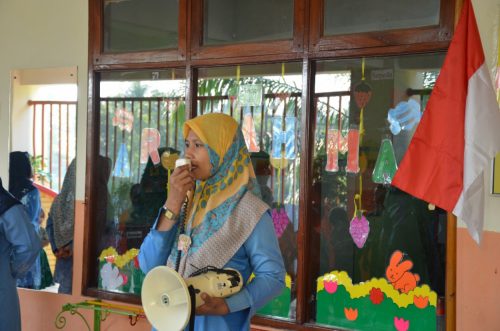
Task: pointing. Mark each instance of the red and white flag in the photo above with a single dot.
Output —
(459, 133)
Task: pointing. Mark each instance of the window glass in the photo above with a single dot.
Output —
(236, 21)
(140, 25)
(141, 118)
(366, 113)
(356, 16)
(266, 101)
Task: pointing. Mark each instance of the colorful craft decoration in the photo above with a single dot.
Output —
(284, 137)
(150, 141)
(120, 273)
(373, 305)
(359, 227)
(362, 92)
(280, 220)
(353, 151)
(335, 143)
(399, 275)
(123, 119)
(122, 164)
(250, 95)
(405, 116)
(386, 165)
(249, 133)
(400, 324)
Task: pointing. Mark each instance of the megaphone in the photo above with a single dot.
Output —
(166, 299)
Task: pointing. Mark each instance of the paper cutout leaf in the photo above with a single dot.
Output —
(386, 164)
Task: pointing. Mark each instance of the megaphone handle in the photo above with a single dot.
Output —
(192, 294)
(182, 230)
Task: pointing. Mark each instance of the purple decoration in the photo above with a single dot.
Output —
(359, 230)
(280, 220)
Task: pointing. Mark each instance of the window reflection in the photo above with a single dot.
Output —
(142, 114)
(360, 221)
(266, 101)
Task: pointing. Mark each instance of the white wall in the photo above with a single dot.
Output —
(43, 34)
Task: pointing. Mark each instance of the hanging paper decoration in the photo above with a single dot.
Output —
(122, 165)
(353, 151)
(150, 139)
(123, 119)
(359, 230)
(284, 137)
(386, 164)
(280, 220)
(250, 95)
(405, 116)
(359, 227)
(362, 92)
(335, 143)
(249, 132)
(399, 275)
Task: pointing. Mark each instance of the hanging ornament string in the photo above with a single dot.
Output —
(358, 211)
(361, 122)
(238, 74)
(283, 71)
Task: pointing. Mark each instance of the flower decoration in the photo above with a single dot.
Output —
(376, 296)
(330, 283)
(351, 313)
(420, 301)
(400, 324)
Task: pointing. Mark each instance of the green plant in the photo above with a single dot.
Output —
(39, 173)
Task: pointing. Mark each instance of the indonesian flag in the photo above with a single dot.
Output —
(459, 133)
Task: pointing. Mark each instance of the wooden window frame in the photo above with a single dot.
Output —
(306, 45)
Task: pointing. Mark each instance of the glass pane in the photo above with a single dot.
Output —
(237, 21)
(360, 220)
(266, 103)
(356, 16)
(140, 25)
(141, 118)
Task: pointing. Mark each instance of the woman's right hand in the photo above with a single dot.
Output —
(181, 181)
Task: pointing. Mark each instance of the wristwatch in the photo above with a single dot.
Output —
(170, 215)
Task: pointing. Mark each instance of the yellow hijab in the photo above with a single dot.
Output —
(231, 177)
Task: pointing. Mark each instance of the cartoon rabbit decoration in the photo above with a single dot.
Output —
(398, 273)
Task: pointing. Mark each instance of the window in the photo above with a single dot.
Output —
(336, 93)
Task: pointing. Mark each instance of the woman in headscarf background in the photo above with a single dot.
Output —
(60, 227)
(224, 210)
(19, 248)
(22, 188)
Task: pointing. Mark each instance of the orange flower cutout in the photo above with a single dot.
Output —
(351, 313)
(420, 302)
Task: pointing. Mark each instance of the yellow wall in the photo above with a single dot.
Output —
(54, 33)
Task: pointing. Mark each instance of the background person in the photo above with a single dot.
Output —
(19, 248)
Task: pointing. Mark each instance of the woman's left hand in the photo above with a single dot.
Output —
(212, 306)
